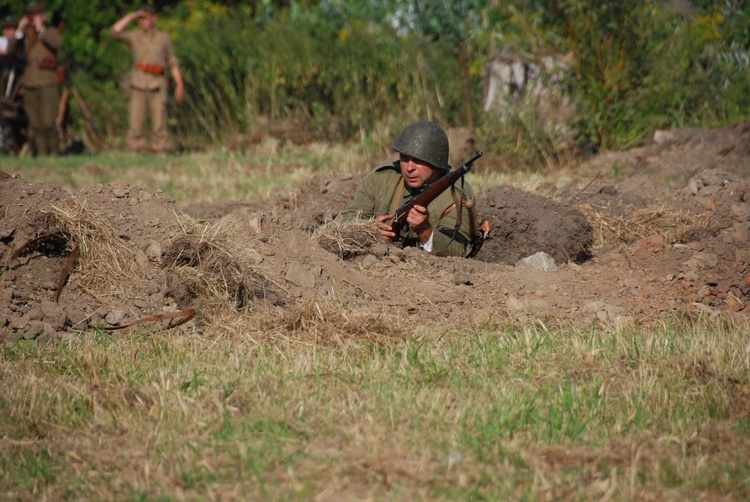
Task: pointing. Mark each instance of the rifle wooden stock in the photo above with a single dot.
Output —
(431, 192)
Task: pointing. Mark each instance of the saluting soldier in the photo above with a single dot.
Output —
(423, 158)
(153, 57)
(41, 98)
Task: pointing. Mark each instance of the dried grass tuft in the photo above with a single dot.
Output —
(106, 266)
(346, 239)
(611, 230)
(217, 265)
(320, 323)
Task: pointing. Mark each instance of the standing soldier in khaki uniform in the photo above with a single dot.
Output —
(41, 98)
(153, 55)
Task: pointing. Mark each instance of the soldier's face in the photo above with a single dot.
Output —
(415, 172)
(147, 22)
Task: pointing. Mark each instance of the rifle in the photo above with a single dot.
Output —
(430, 192)
(89, 125)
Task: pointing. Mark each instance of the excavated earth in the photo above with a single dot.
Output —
(641, 236)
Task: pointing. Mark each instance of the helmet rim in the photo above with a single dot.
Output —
(425, 141)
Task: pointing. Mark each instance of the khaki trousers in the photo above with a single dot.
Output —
(154, 103)
(41, 105)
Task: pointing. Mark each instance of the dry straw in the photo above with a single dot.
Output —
(217, 265)
(106, 265)
(612, 230)
(346, 239)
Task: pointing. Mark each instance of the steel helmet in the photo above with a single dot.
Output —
(425, 141)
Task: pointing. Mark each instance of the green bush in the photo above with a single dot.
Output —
(637, 68)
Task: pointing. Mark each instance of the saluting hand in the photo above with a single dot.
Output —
(38, 23)
(22, 24)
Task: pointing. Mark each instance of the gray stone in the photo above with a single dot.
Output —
(153, 251)
(114, 317)
(538, 261)
(54, 315)
(255, 257)
(302, 276)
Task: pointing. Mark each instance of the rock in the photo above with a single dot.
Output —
(302, 276)
(513, 304)
(33, 330)
(54, 315)
(35, 313)
(538, 261)
(153, 251)
(663, 137)
(255, 257)
(114, 317)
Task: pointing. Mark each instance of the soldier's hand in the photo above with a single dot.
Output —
(381, 223)
(179, 93)
(418, 218)
(38, 22)
(22, 24)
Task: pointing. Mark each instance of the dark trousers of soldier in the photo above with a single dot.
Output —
(155, 102)
(41, 105)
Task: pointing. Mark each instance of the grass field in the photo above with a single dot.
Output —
(335, 407)
(491, 412)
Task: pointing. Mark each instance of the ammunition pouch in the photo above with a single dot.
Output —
(45, 64)
(478, 232)
(62, 74)
(151, 69)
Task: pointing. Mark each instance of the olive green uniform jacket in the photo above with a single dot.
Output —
(375, 197)
(41, 59)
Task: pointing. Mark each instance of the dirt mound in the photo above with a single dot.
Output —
(108, 256)
(74, 259)
(525, 223)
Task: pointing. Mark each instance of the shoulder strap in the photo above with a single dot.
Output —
(398, 193)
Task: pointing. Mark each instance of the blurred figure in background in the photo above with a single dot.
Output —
(40, 81)
(153, 55)
(9, 31)
(12, 118)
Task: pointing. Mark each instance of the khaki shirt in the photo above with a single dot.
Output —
(41, 58)
(375, 196)
(153, 48)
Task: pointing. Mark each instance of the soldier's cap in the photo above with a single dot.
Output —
(9, 22)
(35, 8)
